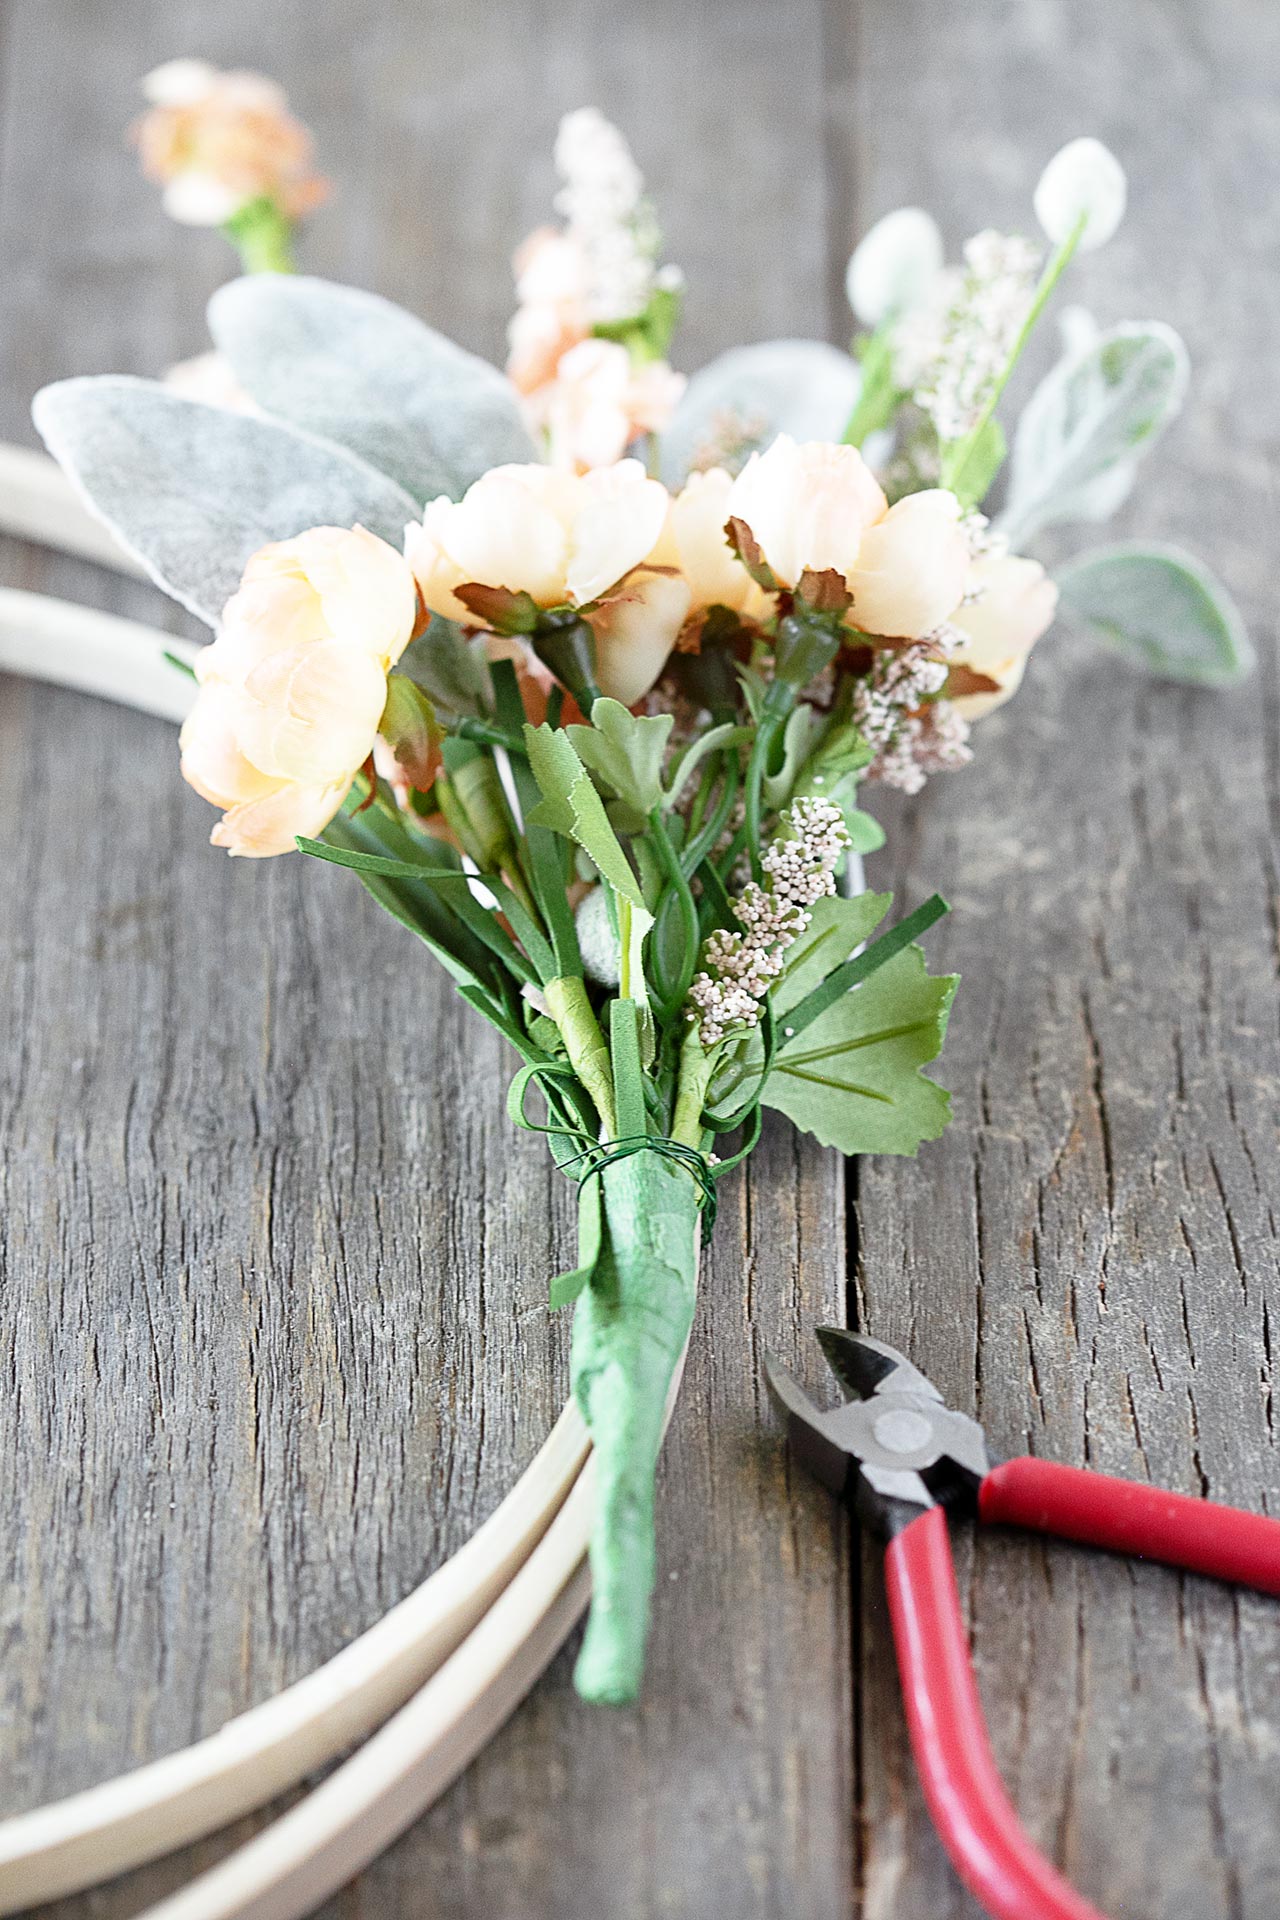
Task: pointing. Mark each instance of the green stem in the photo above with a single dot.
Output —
(778, 702)
(696, 1066)
(485, 734)
(956, 456)
(263, 237)
(675, 877)
(630, 1327)
(703, 842)
(878, 394)
(571, 1009)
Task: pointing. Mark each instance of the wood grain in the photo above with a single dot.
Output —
(1089, 1260)
(277, 1261)
(274, 1262)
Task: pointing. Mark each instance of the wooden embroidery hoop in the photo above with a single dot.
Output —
(438, 1674)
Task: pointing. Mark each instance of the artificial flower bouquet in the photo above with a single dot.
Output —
(583, 669)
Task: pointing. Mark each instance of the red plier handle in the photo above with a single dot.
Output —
(966, 1796)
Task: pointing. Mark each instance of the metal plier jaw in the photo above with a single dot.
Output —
(906, 1459)
(895, 1448)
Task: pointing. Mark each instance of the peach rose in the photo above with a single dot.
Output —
(819, 508)
(292, 689)
(562, 538)
(693, 540)
(1015, 604)
(216, 141)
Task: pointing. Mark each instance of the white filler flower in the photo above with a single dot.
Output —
(894, 266)
(1083, 180)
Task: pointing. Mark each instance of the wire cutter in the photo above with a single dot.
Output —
(906, 1460)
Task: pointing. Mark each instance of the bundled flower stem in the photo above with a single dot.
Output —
(594, 729)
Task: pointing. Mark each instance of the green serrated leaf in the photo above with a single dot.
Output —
(853, 1078)
(571, 806)
(626, 752)
(837, 927)
(1162, 608)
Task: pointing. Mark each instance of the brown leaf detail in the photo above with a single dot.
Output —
(748, 550)
(825, 592)
(962, 680)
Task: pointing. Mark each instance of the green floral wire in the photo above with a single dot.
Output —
(601, 1154)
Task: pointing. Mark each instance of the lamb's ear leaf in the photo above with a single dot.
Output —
(802, 387)
(192, 491)
(1162, 608)
(355, 369)
(1086, 426)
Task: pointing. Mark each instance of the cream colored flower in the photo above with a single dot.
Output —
(911, 567)
(818, 508)
(635, 632)
(292, 689)
(694, 541)
(562, 538)
(807, 506)
(215, 141)
(599, 402)
(1015, 604)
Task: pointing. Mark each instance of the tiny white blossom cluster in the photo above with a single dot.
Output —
(894, 709)
(605, 208)
(739, 968)
(934, 740)
(950, 351)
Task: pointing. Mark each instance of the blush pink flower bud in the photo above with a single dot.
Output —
(293, 688)
(551, 316)
(598, 403)
(216, 141)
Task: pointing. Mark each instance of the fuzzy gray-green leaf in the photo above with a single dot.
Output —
(192, 491)
(359, 371)
(1088, 423)
(1162, 608)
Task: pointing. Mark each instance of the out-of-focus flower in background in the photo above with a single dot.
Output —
(595, 310)
(1083, 187)
(229, 154)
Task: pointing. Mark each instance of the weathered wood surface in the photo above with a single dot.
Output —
(274, 1263)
